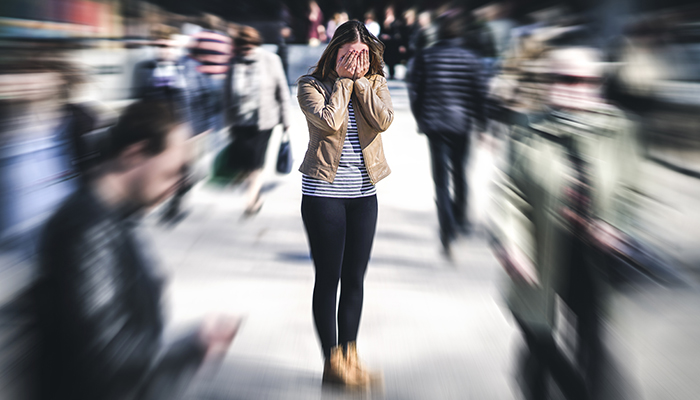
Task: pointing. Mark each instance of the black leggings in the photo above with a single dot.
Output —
(340, 232)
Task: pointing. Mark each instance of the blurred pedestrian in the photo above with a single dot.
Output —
(447, 97)
(317, 31)
(338, 19)
(408, 27)
(599, 204)
(571, 176)
(285, 35)
(425, 34)
(97, 298)
(371, 23)
(204, 71)
(347, 105)
(391, 36)
(210, 52)
(49, 144)
(46, 151)
(162, 77)
(500, 25)
(257, 100)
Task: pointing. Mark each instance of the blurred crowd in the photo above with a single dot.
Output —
(81, 295)
(572, 103)
(573, 99)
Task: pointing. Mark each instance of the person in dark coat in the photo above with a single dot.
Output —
(391, 36)
(446, 94)
(97, 295)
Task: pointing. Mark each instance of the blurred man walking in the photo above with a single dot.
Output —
(446, 95)
(97, 298)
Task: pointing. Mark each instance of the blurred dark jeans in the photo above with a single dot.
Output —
(449, 154)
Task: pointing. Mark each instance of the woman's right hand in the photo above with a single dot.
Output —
(347, 64)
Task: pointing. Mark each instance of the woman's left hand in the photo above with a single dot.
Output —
(362, 65)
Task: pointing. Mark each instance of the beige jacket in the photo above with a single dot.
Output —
(325, 105)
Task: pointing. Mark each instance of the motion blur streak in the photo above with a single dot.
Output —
(538, 237)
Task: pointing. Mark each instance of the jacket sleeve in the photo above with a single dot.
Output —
(328, 116)
(376, 106)
(281, 91)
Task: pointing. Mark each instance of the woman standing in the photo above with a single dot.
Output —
(347, 104)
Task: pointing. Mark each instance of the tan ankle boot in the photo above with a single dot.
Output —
(363, 374)
(334, 369)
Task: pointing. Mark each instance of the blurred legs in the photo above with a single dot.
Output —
(448, 157)
(253, 196)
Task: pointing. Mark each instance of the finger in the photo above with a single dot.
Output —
(354, 56)
(352, 61)
(348, 63)
(351, 56)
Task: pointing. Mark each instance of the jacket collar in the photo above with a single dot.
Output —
(332, 76)
(451, 42)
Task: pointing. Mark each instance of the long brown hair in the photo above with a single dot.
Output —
(351, 32)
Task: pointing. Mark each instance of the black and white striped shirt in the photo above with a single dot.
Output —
(351, 180)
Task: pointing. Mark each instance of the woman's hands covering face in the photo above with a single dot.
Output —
(354, 64)
(347, 64)
(362, 64)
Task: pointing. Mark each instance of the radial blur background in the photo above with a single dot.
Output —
(438, 328)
